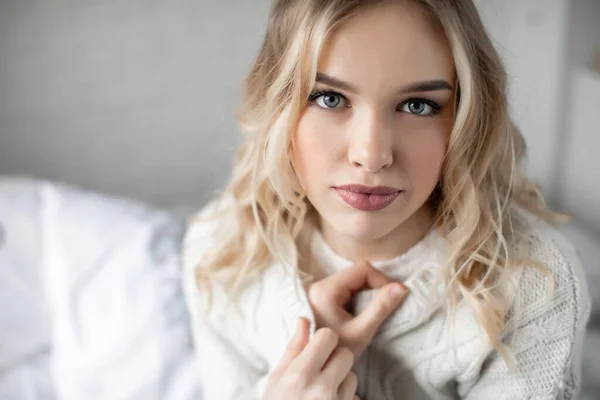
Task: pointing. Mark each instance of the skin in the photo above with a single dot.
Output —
(321, 368)
(364, 131)
(368, 132)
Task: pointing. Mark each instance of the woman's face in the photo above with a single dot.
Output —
(369, 147)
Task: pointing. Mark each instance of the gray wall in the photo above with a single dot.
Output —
(129, 97)
(137, 97)
(580, 167)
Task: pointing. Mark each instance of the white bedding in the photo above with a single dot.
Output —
(90, 299)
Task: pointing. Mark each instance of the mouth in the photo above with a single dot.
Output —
(367, 198)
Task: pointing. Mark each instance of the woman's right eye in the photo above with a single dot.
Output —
(327, 100)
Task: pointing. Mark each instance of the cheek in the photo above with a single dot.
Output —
(312, 149)
(425, 157)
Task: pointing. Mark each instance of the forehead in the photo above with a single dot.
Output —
(390, 44)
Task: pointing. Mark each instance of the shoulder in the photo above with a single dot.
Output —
(569, 304)
(549, 246)
(199, 235)
(544, 334)
(203, 231)
(261, 316)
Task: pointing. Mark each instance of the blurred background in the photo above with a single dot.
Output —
(136, 98)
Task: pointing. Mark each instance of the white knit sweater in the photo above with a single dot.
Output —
(412, 357)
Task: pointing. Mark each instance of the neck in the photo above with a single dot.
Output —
(393, 244)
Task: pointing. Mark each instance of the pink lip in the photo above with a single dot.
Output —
(366, 198)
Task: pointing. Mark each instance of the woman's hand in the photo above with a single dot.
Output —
(329, 297)
(316, 370)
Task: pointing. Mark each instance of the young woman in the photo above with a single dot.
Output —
(377, 237)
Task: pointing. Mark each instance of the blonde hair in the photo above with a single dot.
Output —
(264, 212)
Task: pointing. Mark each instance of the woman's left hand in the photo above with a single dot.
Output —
(329, 296)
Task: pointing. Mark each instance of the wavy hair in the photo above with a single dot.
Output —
(264, 211)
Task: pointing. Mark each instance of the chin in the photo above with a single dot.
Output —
(363, 226)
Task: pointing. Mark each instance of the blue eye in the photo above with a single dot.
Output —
(327, 100)
(421, 107)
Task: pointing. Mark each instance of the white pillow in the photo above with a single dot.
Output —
(110, 274)
(24, 319)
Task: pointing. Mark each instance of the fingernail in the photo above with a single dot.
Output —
(397, 291)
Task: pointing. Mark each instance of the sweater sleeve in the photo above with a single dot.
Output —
(230, 367)
(547, 343)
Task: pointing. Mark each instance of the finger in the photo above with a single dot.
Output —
(339, 365)
(347, 389)
(347, 282)
(386, 301)
(295, 347)
(317, 352)
(361, 275)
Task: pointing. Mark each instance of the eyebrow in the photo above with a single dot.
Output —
(424, 86)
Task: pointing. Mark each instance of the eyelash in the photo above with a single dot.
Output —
(435, 106)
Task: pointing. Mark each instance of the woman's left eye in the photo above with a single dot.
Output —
(420, 107)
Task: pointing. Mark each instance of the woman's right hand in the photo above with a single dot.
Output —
(329, 297)
(313, 370)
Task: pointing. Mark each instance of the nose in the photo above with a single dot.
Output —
(371, 140)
